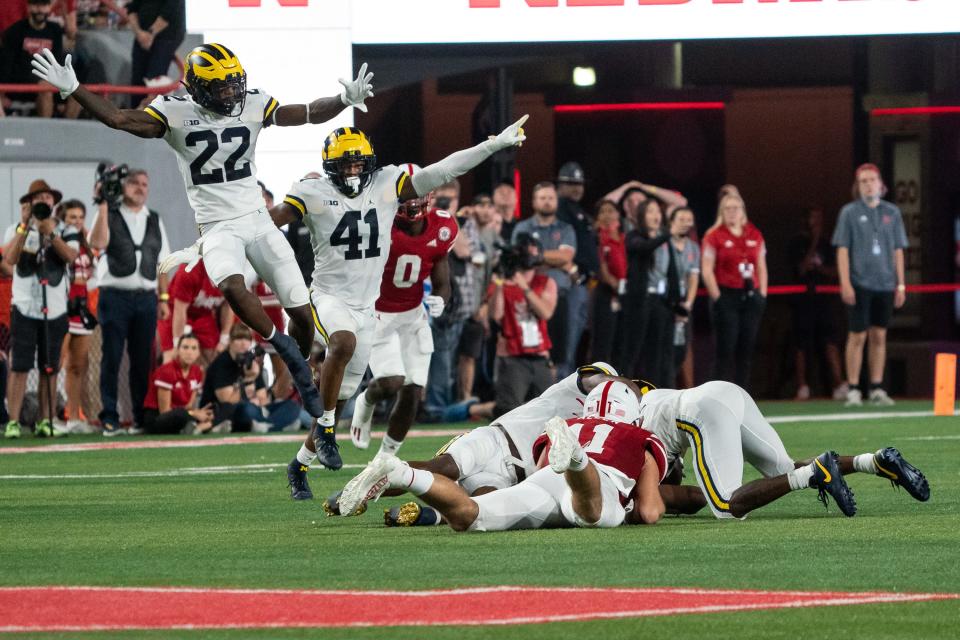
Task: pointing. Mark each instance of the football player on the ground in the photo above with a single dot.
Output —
(402, 342)
(597, 464)
(214, 134)
(725, 428)
(345, 211)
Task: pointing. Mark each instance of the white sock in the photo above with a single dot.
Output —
(327, 419)
(363, 409)
(579, 460)
(390, 446)
(864, 463)
(800, 478)
(305, 456)
(416, 481)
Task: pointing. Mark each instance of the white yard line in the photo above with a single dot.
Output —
(169, 473)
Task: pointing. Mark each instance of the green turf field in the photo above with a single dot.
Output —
(240, 529)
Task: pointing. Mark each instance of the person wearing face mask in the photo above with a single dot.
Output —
(734, 268)
(39, 248)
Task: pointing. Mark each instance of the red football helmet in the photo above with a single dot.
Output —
(415, 209)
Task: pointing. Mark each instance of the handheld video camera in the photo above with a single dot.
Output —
(245, 359)
(110, 177)
(525, 253)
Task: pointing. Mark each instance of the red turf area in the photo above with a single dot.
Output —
(97, 608)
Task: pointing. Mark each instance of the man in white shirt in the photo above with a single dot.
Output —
(133, 241)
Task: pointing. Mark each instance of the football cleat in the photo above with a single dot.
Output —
(331, 506)
(891, 465)
(368, 485)
(328, 451)
(410, 514)
(297, 481)
(827, 479)
(562, 444)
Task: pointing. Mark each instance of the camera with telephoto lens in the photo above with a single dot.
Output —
(245, 359)
(110, 177)
(40, 211)
(525, 253)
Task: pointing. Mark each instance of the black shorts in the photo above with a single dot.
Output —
(471, 339)
(27, 343)
(872, 309)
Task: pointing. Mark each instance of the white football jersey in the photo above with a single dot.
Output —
(216, 153)
(525, 423)
(350, 236)
(659, 410)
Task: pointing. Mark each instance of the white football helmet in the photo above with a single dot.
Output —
(612, 400)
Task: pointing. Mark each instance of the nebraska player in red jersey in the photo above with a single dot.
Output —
(402, 343)
(597, 465)
(196, 302)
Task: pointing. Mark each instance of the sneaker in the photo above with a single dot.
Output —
(879, 398)
(890, 464)
(110, 430)
(60, 429)
(78, 427)
(562, 444)
(225, 426)
(828, 479)
(840, 392)
(297, 481)
(331, 506)
(135, 430)
(328, 451)
(368, 485)
(12, 431)
(803, 393)
(43, 429)
(854, 398)
(409, 514)
(300, 372)
(261, 426)
(360, 424)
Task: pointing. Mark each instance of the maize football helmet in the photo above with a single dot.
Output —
(612, 400)
(415, 208)
(343, 148)
(215, 79)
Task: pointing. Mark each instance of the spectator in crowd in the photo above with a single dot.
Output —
(6, 284)
(171, 402)
(132, 241)
(734, 268)
(158, 29)
(641, 245)
(570, 180)
(559, 243)
(21, 40)
(611, 282)
(505, 204)
(40, 247)
(481, 232)
(521, 303)
(82, 321)
(632, 194)
(686, 254)
(447, 197)
(870, 239)
(235, 387)
(814, 318)
(198, 309)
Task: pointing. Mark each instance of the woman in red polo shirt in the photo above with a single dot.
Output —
(734, 271)
(611, 281)
(172, 392)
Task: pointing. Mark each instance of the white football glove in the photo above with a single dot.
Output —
(512, 136)
(189, 256)
(356, 91)
(435, 306)
(63, 77)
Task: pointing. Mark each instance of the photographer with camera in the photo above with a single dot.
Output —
(40, 247)
(133, 241)
(522, 301)
(236, 389)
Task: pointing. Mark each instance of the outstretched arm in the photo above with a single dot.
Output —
(284, 213)
(460, 162)
(63, 77)
(323, 109)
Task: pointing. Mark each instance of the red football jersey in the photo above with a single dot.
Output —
(614, 444)
(411, 261)
(170, 377)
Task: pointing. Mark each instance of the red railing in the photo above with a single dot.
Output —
(103, 89)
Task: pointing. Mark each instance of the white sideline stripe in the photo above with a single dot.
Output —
(862, 415)
(170, 473)
(932, 438)
(638, 613)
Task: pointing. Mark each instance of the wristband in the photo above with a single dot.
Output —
(164, 297)
(22, 229)
(224, 339)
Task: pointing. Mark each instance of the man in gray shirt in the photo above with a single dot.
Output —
(559, 241)
(870, 240)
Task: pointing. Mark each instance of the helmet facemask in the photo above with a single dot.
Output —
(350, 185)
